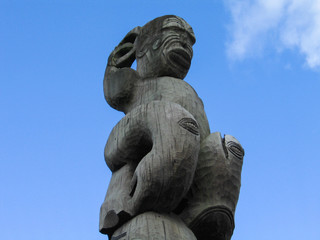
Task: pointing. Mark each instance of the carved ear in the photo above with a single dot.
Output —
(125, 53)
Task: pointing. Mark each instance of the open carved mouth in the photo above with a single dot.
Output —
(180, 57)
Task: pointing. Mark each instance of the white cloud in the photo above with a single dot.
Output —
(293, 24)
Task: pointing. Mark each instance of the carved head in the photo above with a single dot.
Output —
(164, 47)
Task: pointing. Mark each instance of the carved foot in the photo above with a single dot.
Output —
(115, 209)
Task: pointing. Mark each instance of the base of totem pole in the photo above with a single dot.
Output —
(154, 226)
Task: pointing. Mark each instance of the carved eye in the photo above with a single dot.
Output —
(156, 44)
(235, 149)
(190, 125)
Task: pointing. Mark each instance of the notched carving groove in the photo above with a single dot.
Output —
(133, 185)
(235, 149)
(225, 147)
(119, 237)
(190, 125)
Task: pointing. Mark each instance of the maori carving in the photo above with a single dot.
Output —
(171, 178)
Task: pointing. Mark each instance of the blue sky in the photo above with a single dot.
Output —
(256, 67)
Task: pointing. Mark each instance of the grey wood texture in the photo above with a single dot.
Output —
(162, 156)
(215, 190)
(154, 226)
(154, 180)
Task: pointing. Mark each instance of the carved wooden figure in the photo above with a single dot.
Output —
(167, 169)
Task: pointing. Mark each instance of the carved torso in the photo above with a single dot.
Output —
(171, 90)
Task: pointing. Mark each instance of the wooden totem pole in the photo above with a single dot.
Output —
(171, 178)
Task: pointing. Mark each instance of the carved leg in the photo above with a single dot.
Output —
(116, 207)
(154, 226)
(153, 153)
(212, 199)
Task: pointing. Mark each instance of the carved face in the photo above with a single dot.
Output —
(166, 51)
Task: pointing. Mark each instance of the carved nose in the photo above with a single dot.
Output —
(184, 39)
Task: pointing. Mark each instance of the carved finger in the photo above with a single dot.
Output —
(122, 56)
(233, 147)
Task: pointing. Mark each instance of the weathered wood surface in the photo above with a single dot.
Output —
(212, 199)
(154, 226)
(154, 152)
(158, 177)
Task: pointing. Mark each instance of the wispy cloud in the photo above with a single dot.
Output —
(293, 24)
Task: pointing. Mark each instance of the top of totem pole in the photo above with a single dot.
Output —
(162, 47)
(171, 177)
